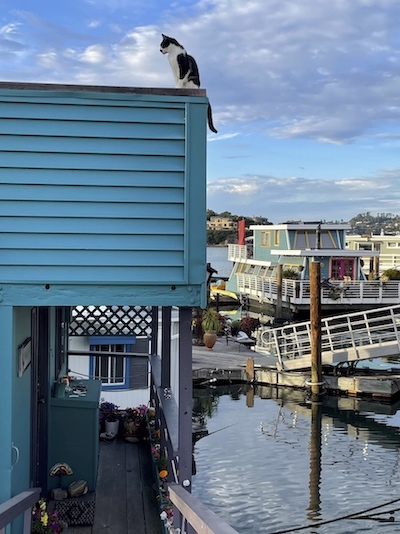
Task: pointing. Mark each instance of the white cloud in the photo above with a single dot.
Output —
(315, 72)
(301, 198)
(321, 70)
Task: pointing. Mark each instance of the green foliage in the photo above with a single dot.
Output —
(235, 327)
(289, 274)
(365, 223)
(391, 274)
(211, 321)
(220, 237)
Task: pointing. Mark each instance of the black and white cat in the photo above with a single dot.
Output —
(184, 69)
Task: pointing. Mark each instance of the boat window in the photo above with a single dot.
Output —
(300, 240)
(265, 239)
(262, 271)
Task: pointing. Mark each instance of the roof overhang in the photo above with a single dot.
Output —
(326, 252)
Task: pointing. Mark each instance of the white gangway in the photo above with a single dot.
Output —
(344, 338)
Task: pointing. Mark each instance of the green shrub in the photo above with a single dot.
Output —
(290, 274)
(391, 274)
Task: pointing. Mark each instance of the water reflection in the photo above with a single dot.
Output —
(315, 461)
(274, 461)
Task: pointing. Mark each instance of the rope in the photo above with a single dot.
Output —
(348, 516)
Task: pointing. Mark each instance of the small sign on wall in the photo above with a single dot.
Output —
(24, 356)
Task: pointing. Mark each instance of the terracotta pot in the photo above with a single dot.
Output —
(209, 339)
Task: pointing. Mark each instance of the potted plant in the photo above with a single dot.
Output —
(249, 324)
(197, 316)
(44, 521)
(109, 413)
(135, 427)
(211, 324)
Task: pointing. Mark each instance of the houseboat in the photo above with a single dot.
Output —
(289, 248)
(387, 246)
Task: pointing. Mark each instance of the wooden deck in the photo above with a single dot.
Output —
(125, 493)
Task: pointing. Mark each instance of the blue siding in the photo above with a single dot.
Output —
(103, 188)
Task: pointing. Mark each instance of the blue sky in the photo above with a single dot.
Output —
(305, 95)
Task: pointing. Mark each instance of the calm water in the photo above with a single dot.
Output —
(282, 463)
(217, 256)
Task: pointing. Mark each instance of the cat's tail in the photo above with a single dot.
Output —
(210, 119)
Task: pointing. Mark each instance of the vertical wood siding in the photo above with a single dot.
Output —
(101, 188)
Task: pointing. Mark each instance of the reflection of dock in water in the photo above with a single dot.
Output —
(343, 412)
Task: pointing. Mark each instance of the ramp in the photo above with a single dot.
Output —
(344, 338)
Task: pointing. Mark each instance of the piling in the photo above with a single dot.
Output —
(315, 324)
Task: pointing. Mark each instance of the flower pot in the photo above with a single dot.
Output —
(112, 427)
(209, 339)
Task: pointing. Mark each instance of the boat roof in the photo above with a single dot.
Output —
(327, 252)
(293, 225)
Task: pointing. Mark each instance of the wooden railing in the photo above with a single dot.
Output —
(194, 512)
(16, 506)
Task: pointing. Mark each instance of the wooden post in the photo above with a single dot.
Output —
(376, 267)
(315, 323)
(278, 309)
(250, 369)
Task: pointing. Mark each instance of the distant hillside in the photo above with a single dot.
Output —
(363, 223)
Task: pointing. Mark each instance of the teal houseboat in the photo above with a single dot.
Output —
(289, 248)
(102, 193)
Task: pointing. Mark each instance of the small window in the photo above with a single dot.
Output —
(120, 372)
(109, 368)
(265, 239)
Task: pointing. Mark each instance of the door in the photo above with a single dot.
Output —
(40, 393)
(341, 268)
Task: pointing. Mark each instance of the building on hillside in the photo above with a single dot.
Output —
(221, 223)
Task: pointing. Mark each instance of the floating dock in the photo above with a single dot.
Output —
(231, 362)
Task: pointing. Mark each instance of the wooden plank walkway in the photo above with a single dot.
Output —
(226, 361)
(125, 494)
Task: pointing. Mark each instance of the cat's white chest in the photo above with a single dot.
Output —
(173, 61)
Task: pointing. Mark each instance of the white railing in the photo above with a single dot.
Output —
(201, 518)
(16, 506)
(238, 252)
(297, 292)
(357, 336)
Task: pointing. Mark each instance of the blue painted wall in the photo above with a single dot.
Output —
(102, 201)
(102, 186)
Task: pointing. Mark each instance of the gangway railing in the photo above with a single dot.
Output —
(344, 338)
